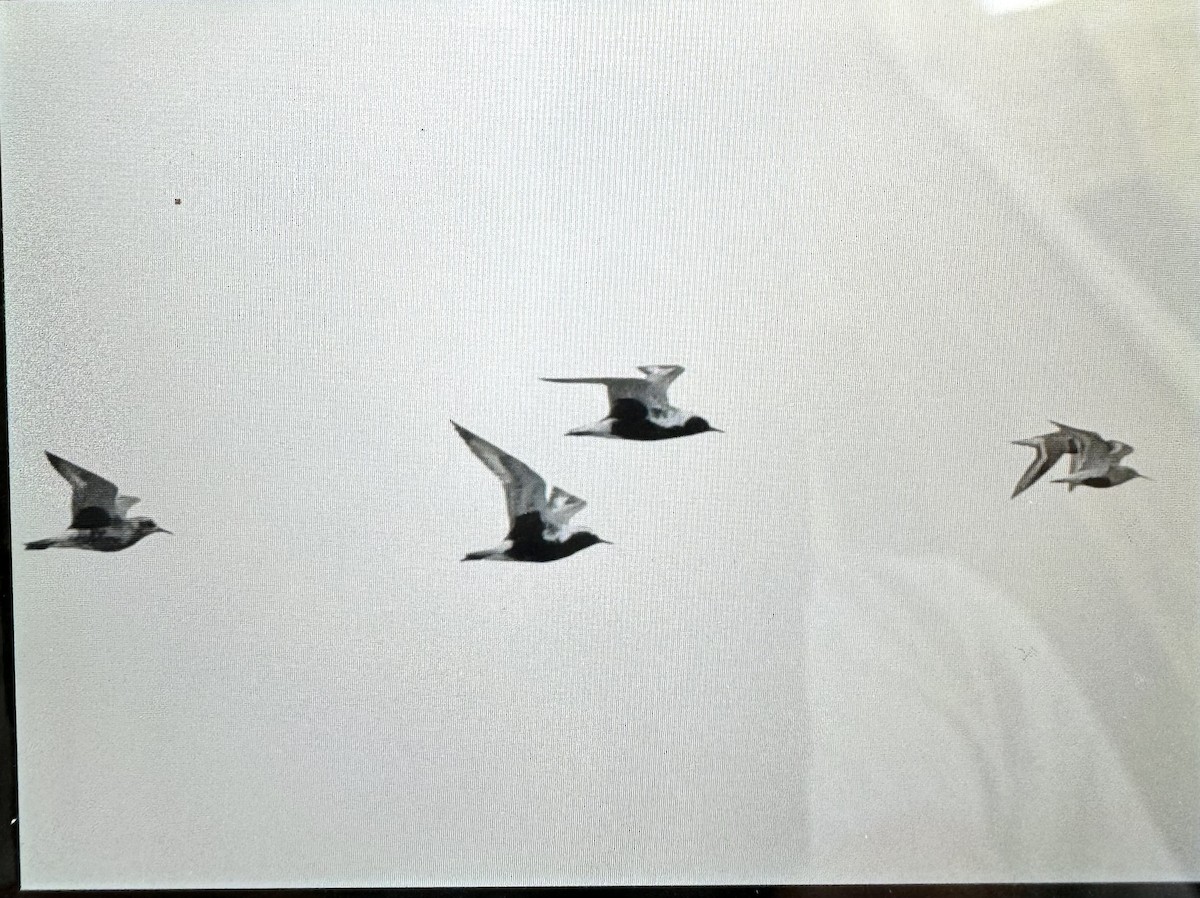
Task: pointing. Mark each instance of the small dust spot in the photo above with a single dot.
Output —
(178, 201)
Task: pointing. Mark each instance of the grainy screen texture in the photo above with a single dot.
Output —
(257, 258)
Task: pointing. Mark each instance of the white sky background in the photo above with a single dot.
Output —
(394, 216)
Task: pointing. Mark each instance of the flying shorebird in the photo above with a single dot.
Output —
(1097, 464)
(639, 408)
(1095, 457)
(98, 519)
(1091, 456)
(538, 529)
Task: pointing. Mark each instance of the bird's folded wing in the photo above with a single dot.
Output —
(92, 497)
(524, 489)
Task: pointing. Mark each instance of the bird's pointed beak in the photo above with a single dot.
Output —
(607, 542)
(163, 530)
(717, 430)
(1144, 477)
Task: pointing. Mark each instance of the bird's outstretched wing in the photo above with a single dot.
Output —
(561, 508)
(1118, 450)
(124, 503)
(524, 489)
(1094, 454)
(1047, 457)
(93, 499)
(650, 391)
(661, 375)
(621, 388)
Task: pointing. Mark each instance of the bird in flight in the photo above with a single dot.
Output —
(98, 514)
(1097, 463)
(539, 528)
(1094, 460)
(639, 408)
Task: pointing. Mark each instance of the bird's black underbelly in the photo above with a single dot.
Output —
(110, 541)
(631, 421)
(540, 551)
(527, 528)
(645, 430)
(529, 542)
(91, 518)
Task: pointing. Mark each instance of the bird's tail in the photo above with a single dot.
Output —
(41, 544)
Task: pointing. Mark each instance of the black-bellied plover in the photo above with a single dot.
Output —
(639, 408)
(538, 527)
(98, 520)
(1097, 463)
(1093, 458)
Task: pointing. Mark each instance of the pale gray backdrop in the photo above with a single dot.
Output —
(825, 646)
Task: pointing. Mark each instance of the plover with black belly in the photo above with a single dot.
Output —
(1095, 458)
(639, 408)
(1092, 458)
(538, 527)
(1097, 463)
(98, 520)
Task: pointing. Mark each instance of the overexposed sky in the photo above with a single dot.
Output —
(812, 634)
